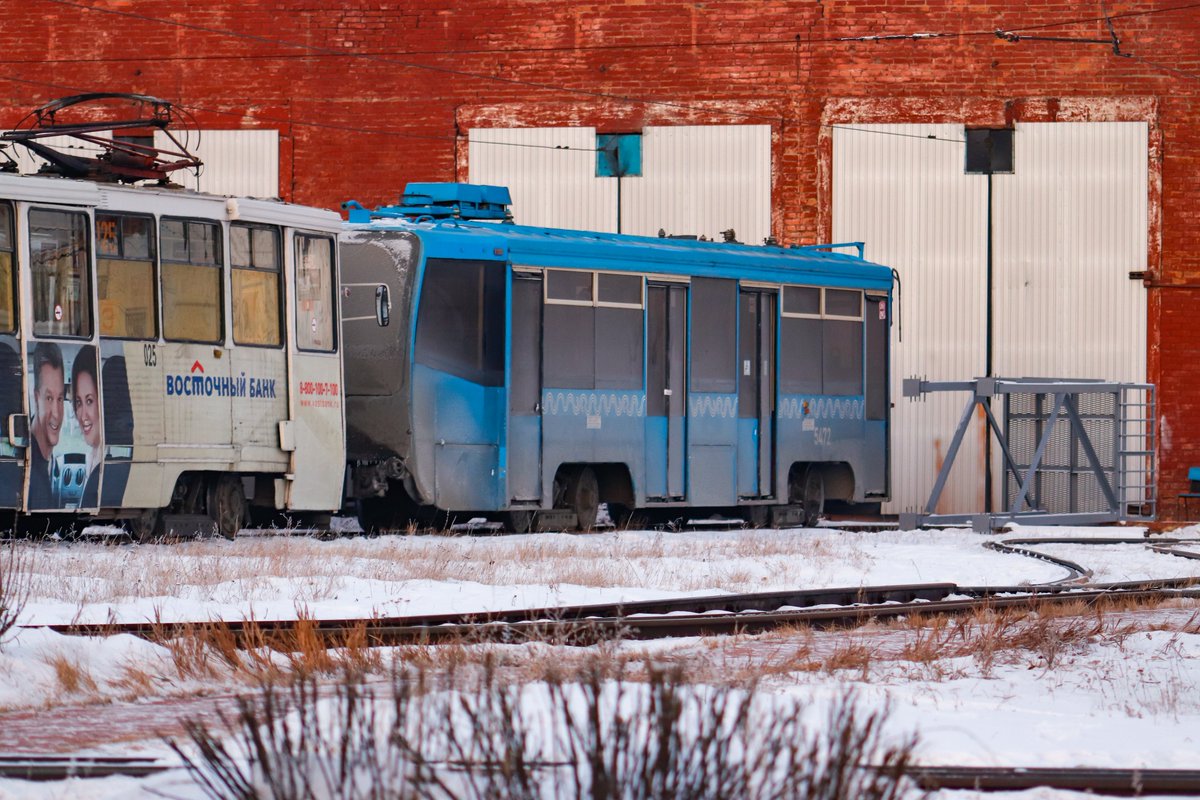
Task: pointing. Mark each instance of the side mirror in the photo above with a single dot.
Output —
(18, 430)
(383, 305)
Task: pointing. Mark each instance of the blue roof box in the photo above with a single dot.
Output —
(462, 200)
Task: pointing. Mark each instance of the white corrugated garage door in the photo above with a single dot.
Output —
(1068, 226)
(244, 162)
(696, 179)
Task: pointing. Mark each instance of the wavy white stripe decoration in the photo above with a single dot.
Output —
(604, 404)
(723, 406)
(821, 408)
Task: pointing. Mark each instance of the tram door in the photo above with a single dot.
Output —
(666, 390)
(315, 424)
(756, 392)
(13, 437)
(65, 442)
(525, 391)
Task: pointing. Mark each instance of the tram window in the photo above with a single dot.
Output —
(569, 334)
(801, 300)
(843, 303)
(254, 256)
(569, 286)
(191, 280)
(625, 290)
(800, 356)
(460, 319)
(714, 335)
(619, 347)
(315, 303)
(125, 276)
(59, 264)
(842, 357)
(8, 309)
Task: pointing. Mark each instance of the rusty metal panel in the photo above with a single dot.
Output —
(696, 179)
(701, 180)
(1070, 225)
(551, 173)
(236, 162)
(907, 197)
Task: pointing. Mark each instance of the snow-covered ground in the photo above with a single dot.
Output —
(1125, 696)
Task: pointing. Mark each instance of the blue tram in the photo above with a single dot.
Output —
(531, 374)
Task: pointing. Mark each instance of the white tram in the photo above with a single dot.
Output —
(167, 357)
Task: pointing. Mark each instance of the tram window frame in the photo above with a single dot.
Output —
(303, 334)
(213, 251)
(9, 300)
(44, 328)
(589, 311)
(122, 255)
(247, 330)
(823, 364)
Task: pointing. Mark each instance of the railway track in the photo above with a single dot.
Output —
(700, 616)
(1105, 782)
(657, 619)
(61, 768)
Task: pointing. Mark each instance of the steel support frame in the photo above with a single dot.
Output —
(982, 390)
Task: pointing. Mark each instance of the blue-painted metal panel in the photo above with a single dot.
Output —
(456, 422)
(656, 456)
(618, 155)
(596, 427)
(711, 478)
(524, 457)
(712, 448)
(747, 457)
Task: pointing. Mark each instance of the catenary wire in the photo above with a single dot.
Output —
(734, 43)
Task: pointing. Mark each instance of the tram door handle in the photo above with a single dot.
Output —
(18, 430)
(383, 305)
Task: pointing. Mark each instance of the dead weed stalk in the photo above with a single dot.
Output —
(597, 735)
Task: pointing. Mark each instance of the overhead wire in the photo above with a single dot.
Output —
(576, 47)
(463, 73)
(1013, 34)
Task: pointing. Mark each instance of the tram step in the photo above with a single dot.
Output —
(786, 516)
(556, 519)
(185, 526)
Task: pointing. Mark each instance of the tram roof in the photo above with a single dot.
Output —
(163, 200)
(533, 246)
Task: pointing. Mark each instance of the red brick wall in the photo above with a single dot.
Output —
(368, 99)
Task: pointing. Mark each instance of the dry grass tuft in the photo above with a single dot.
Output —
(850, 656)
(72, 676)
(15, 582)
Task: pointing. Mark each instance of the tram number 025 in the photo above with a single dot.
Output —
(150, 355)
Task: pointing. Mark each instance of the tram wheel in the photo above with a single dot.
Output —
(376, 515)
(226, 503)
(812, 496)
(520, 520)
(756, 516)
(583, 496)
(144, 527)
